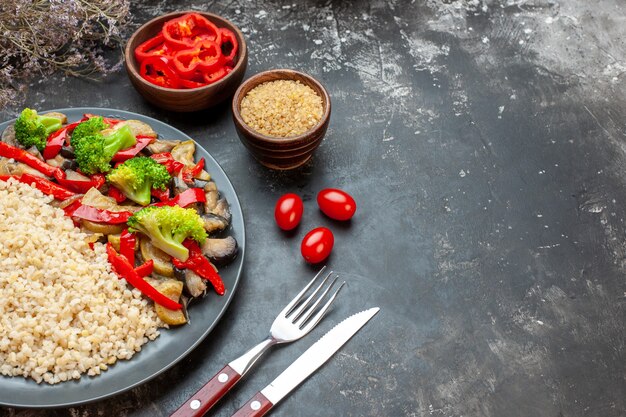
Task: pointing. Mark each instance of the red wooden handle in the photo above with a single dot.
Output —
(256, 407)
(209, 394)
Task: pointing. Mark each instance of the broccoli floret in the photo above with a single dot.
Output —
(33, 130)
(89, 127)
(137, 176)
(168, 226)
(94, 152)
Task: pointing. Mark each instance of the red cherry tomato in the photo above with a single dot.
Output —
(288, 211)
(317, 245)
(336, 204)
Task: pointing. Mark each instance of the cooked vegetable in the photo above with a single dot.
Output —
(56, 140)
(199, 264)
(172, 289)
(194, 284)
(32, 129)
(137, 176)
(220, 251)
(89, 127)
(125, 270)
(94, 152)
(160, 146)
(32, 161)
(162, 261)
(42, 184)
(167, 227)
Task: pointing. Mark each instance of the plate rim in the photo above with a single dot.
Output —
(209, 329)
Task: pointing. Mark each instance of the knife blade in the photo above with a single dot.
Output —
(305, 365)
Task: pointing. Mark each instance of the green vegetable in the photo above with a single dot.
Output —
(137, 176)
(168, 226)
(89, 127)
(33, 130)
(94, 152)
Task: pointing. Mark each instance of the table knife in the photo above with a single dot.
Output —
(305, 365)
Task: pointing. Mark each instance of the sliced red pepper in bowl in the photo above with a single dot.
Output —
(154, 46)
(205, 56)
(218, 74)
(183, 32)
(229, 46)
(156, 69)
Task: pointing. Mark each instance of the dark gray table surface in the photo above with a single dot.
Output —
(485, 144)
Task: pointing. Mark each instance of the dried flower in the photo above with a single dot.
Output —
(39, 37)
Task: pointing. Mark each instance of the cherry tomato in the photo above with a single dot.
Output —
(288, 211)
(317, 244)
(336, 204)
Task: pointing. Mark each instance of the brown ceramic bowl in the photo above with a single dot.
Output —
(281, 153)
(185, 100)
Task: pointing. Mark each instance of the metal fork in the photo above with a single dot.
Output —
(292, 323)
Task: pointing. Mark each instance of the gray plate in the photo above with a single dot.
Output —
(172, 345)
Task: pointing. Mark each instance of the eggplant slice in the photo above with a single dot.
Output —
(220, 251)
(195, 286)
(8, 136)
(160, 146)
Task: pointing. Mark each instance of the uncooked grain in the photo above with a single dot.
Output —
(281, 108)
(63, 313)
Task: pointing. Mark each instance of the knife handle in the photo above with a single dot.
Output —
(209, 394)
(256, 407)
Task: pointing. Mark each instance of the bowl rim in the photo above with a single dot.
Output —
(130, 64)
(236, 104)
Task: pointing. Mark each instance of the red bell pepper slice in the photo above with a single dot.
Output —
(45, 186)
(166, 159)
(205, 56)
(199, 264)
(116, 194)
(162, 195)
(216, 75)
(127, 245)
(191, 83)
(32, 161)
(156, 70)
(155, 46)
(187, 197)
(124, 268)
(77, 209)
(96, 181)
(57, 139)
(142, 142)
(146, 269)
(190, 173)
(183, 32)
(108, 120)
(229, 46)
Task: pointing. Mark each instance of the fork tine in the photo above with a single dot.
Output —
(289, 307)
(306, 314)
(320, 315)
(298, 311)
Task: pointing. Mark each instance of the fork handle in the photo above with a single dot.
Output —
(209, 394)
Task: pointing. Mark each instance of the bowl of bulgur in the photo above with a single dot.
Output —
(281, 117)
